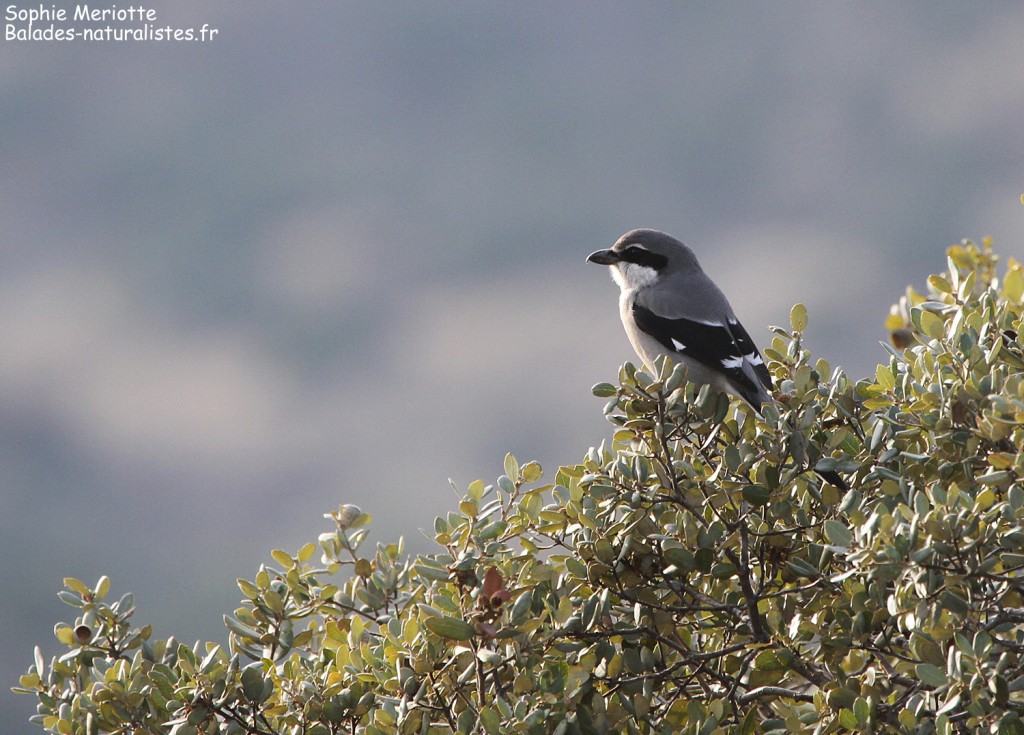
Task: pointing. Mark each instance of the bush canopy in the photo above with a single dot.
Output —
(692, 575)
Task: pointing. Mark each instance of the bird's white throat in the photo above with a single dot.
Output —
(633, 276)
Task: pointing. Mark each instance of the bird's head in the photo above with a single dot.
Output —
(641, 257)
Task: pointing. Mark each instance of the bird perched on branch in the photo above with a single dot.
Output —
(669, 306)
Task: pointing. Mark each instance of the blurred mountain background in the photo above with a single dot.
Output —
(336, 254)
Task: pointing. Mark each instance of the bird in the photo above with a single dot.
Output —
(669, 306)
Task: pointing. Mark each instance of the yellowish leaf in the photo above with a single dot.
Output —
(1013, 283)
(798, 317)
(894, 320)
(931, 325)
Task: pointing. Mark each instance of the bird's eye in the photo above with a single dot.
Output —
(633, 253)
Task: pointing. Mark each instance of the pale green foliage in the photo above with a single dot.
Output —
(693, 577)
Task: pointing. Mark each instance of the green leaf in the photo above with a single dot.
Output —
(704, 558)
(448, 627)
(306, 553)
(248, 588)
(532, 503)
(841, 697)
(801, 568)
(490, 718)
(768, 660)
(873, 404)
(283, 558)
(253, 682)
(749, 724)
(531, 472)
(932, 325)
(511, 468)
(476, 490)
(932, 675)
(940, 284)
(838, 534)
(102, 588)
(466, 722)
(64, 634)
(37, 656)
(1013, 285)
(522, 605)
(884, 378)
(273, 601)
(954, 602)
(77, 586)
(862, 711)
(239, 628)
(681, 558)
(756, 494)
(999, 687)
(70, 598)
(798, 318)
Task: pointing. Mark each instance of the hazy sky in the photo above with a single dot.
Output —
(336, 253)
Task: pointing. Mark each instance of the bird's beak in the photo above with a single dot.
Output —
(604, 257)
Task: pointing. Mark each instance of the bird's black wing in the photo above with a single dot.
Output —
(722, 348)
(751, 354)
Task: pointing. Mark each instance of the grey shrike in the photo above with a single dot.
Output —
(669, 306)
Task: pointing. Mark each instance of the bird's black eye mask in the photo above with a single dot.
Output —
(643, 256)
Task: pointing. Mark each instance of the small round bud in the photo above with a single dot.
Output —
(347, 515)
(901, 338)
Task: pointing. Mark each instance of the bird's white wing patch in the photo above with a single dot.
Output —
(731, 363)
(678, 345)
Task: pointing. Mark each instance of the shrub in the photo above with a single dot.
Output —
(694, 576)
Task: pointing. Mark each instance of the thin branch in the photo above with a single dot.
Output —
(773, 692)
